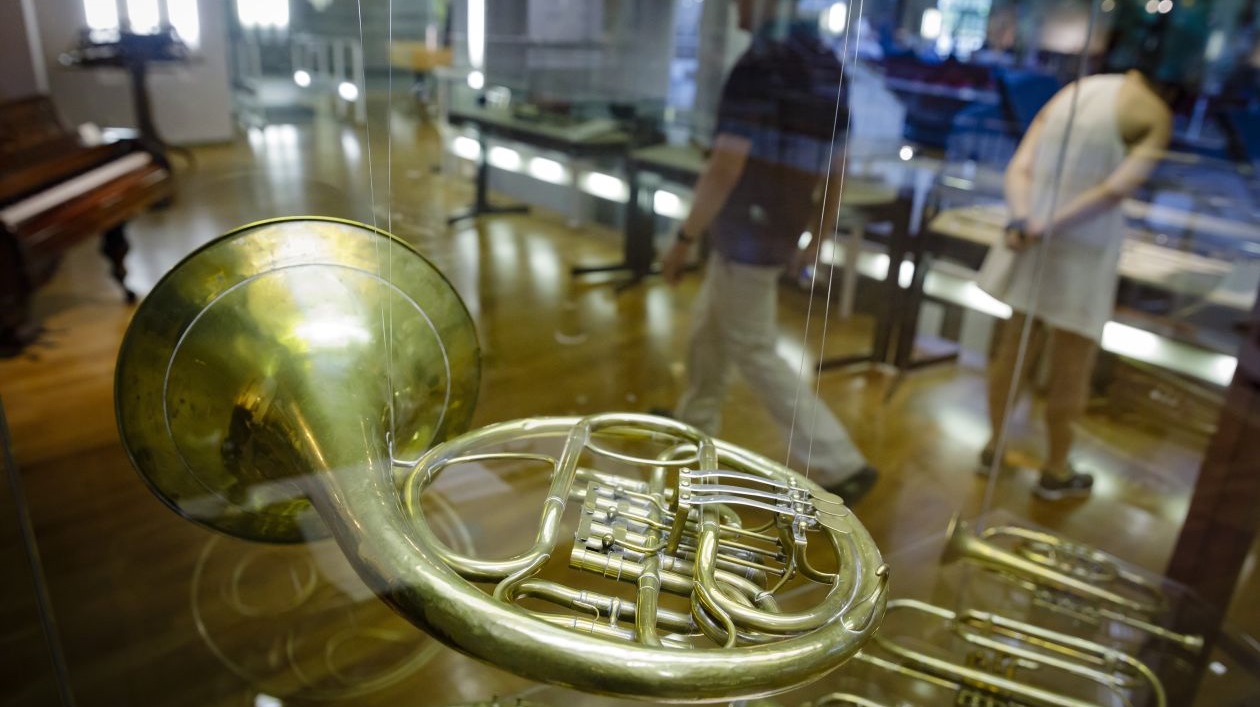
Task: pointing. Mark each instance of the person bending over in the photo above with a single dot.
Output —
(1090, 147)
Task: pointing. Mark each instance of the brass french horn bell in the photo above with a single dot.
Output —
(301, 376)
(286, 348)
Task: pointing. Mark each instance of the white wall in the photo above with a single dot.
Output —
(721, 44)
(19, 75)
(191, 103)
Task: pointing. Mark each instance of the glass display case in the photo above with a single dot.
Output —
(362, 444)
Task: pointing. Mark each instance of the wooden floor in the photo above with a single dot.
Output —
(138, 612)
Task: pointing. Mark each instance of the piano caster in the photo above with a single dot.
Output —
(114, 247)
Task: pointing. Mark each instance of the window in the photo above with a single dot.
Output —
(255, 14)
(144, 17)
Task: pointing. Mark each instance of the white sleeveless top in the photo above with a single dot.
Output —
(1078, 280)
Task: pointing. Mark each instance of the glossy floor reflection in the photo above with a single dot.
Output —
(127, 577)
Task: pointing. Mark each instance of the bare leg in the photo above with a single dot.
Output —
(1002, 373)
(1072, 359)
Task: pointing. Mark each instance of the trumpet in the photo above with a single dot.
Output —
(303, 369)
(1067, 577)
(1008, 661)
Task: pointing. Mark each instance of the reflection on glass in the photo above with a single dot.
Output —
(1092, 145)
(934, 115)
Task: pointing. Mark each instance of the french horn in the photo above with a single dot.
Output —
(302, 368)
(1068, 577)
(987, 659)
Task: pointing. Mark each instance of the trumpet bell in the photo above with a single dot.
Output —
(1067, 577)
(986, 658)
(294, 325)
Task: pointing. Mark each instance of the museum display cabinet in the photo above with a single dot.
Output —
(392, 423)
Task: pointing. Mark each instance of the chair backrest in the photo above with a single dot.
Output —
(1242, 125)
(1024, 93)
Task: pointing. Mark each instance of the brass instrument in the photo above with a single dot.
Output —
(497, 702)
(307, 367)
(1007, 662)
(1068, 577)
(296, 622)
(842, 699)
(834, 699)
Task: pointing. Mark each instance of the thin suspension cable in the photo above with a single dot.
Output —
(835, 239)
(389, 223)
(385, 328)
(822, 218)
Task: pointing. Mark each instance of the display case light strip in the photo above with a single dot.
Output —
(466, 147)
(1175, 356)
(669, 204)
(512, 159)
(548, 170)
(605, 186)
(599, 184)
(1120, 339)
(505, 158)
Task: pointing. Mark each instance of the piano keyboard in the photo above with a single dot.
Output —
(32, 206)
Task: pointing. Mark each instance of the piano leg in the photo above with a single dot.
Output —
(114, 247)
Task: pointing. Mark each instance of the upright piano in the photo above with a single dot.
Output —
(56, 191)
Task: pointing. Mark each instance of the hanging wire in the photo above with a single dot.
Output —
(822, 218)
(389, 222)
(387, 299)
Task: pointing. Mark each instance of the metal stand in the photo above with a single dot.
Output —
(897, 320)
(638, 251)
(481, 205)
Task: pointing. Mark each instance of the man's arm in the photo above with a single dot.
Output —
(721, 174)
